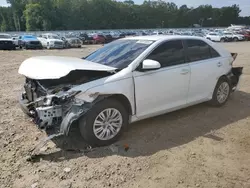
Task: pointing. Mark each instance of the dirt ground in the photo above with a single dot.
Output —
(199, 146)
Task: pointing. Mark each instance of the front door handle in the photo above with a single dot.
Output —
(219, 64)
(184, 71)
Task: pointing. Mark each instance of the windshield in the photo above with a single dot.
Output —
(120, 53)
(5, 36)
(53, 37)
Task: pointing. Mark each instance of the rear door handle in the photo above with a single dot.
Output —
(184, 71)
(219, 64)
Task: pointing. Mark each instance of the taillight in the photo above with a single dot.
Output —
(234, 55)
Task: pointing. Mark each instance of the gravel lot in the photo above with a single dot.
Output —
(199, 146)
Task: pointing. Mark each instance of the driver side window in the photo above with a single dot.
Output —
(169, 53)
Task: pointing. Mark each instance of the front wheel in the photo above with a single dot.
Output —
(104, 123)
(221, 92)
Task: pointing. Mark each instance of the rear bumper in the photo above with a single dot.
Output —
(235, 76)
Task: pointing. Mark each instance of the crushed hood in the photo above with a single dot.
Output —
(55, 67)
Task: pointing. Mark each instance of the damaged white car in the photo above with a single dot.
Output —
(125, 81)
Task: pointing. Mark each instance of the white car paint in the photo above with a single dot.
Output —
(234, 36)
(53, 67)
(213, 36)
(5, 37)
(50, 40)
(152, 92)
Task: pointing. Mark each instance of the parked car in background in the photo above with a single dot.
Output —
(16, 40)
(233, 36)
(29, 42)
(72, 42)
(86, 39)
(98, 39)
(246, 34)
(216, 37)
(126, 81)
(157, 33)
(6, 42)
(50, 40)
(108, 38)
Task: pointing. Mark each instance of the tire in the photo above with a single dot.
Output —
(222, 82)
(48, 47)
(86, 123)
(236, 39)
(222, 39)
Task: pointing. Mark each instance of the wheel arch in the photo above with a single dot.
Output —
(75, 115)
(124, 101)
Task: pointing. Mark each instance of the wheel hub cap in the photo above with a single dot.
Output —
(107, 124)
(223, 92)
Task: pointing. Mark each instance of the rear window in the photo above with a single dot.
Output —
(198, 50)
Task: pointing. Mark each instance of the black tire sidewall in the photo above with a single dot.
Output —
(86, 122)
(214, 100)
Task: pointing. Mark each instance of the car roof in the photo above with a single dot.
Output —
(163, 37)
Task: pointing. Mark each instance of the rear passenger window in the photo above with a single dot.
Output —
(198, 50)
(214, 53)
(169, 53)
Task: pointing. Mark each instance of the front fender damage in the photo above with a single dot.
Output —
(78, 109)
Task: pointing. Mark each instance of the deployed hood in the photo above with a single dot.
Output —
(55, 67)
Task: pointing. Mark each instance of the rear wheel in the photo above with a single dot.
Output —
(235, 39)
(221, 92)
(222, 39)
(104, 123)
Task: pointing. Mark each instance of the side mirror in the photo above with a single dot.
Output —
(149, 64)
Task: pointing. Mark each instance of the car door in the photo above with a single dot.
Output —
(206, 67)
(162, 90)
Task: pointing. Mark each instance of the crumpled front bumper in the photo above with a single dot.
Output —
(76, 111)
(23, 104)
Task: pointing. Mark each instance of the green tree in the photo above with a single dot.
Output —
(33, 17)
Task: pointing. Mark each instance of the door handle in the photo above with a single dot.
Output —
(219, 64)
(184, 71)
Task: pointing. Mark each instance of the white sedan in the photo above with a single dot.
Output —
(126, 81)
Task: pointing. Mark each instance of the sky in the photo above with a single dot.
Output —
(244, 4)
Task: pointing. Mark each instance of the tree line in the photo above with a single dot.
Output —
(45, 15)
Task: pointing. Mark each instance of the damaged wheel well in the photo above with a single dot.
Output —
(119, 97)
(124, 100)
